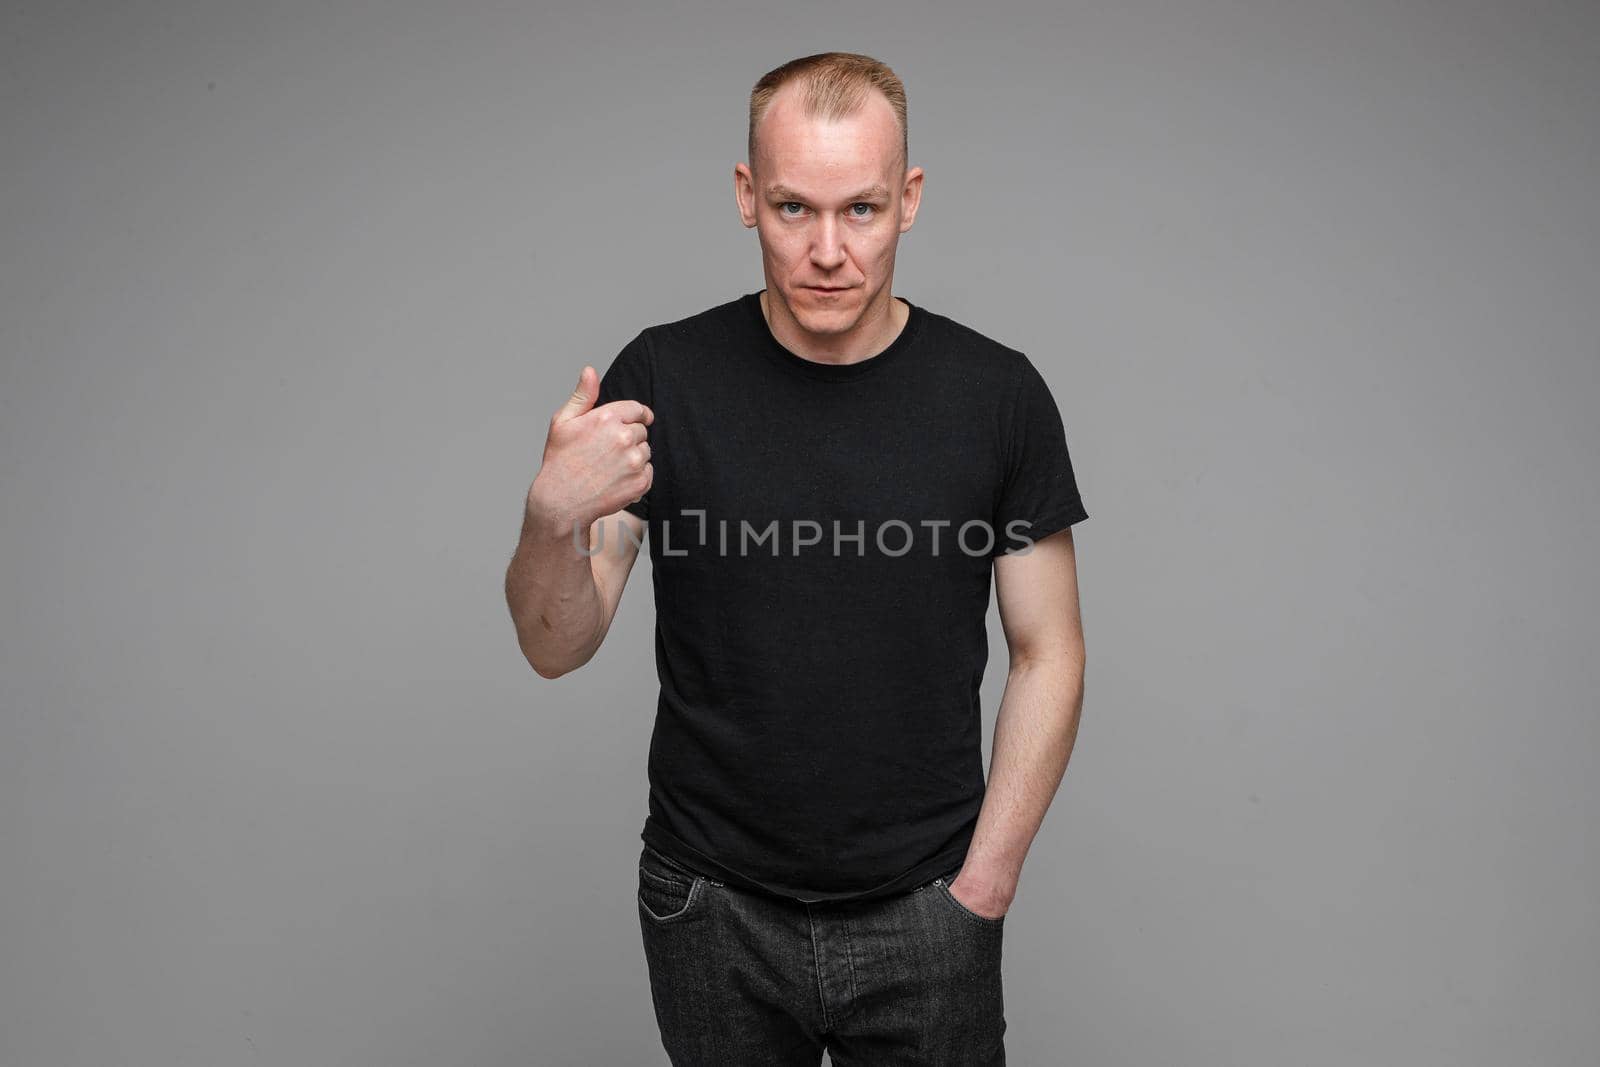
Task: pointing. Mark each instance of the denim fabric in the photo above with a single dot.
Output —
(741, 978)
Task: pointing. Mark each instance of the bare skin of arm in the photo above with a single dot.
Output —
(562, 601)
(596, 460)
(1037, 723)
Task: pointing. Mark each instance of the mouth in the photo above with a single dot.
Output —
(828, 288)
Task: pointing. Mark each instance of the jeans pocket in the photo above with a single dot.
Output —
(942, 884)
(667, 892)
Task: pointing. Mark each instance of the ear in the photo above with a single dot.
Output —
(910, 198)
(744, 193)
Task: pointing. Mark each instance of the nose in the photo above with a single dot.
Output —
(827, 251)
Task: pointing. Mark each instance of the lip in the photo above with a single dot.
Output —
(828, 289)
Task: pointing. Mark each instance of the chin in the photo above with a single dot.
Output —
(825, 320)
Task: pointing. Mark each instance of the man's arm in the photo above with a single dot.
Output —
(562, 601)
(1037, 723)
(596, 465)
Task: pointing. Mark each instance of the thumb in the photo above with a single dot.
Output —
(583, 397)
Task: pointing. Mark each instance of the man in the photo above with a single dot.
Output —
(828, 475)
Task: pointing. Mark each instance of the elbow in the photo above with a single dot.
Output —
(553, 669)
(547, 668)
(547, 672)
(543, 667)
(1069, 658)
(550, 653)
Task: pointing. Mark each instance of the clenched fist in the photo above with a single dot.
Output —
(596, 459)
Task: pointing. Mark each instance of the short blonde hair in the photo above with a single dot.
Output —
(836, 85)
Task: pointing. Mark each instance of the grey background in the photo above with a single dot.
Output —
(290, 291)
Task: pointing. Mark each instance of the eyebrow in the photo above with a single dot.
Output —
(872, 192)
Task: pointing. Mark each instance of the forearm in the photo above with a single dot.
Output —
(1035, 729)
(554, 601)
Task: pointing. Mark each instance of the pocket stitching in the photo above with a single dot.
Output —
(944, 888)
(689, 902)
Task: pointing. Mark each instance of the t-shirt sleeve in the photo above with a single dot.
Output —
(1039, 493)
(629, 378)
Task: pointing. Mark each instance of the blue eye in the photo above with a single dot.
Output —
(796, 214)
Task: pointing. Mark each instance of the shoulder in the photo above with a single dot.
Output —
(978, 353)
(694, 333)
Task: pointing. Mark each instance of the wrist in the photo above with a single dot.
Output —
(991, 880)
(549, 525)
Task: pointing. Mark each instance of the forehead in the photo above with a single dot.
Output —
(819, 156)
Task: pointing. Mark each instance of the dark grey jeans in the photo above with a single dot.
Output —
(743, 979)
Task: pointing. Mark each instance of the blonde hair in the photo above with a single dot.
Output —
(836, 84)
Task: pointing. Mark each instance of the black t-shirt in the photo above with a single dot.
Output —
(822, 539)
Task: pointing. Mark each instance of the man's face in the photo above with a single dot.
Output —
(829, 203)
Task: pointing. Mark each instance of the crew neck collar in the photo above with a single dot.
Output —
(831, 372)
